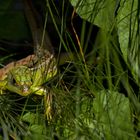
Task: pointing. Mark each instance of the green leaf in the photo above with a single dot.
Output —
(100, 13)
(127, 24)
(29, 117)
(113, 116)
(37, 128)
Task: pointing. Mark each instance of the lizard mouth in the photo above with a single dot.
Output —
(26, 90)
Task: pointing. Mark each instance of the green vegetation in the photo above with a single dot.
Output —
(93, 96)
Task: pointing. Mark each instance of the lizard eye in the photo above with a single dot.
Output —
(14, 81)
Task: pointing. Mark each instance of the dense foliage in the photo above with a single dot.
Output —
(94, 96)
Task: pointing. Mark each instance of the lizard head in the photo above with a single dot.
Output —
(22, 78)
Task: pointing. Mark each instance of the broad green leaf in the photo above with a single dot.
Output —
(113, 116)
(127, 24)
(33, 118)
(29, 117)
(37, 128)
(98, 12)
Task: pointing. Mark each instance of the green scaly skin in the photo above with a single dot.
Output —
(24, 81)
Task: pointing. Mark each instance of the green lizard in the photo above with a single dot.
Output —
(24, 81)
